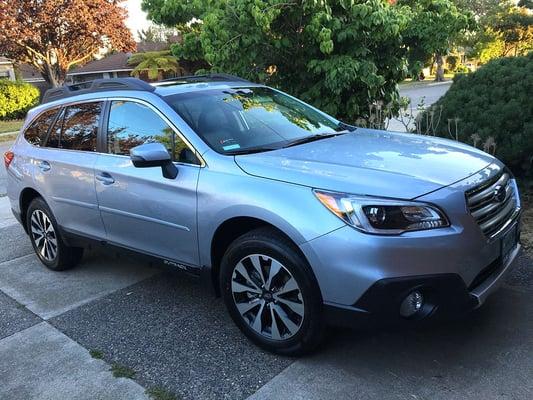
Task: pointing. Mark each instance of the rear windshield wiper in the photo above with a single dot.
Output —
(312, 138)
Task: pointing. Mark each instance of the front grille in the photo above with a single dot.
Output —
(493, 204)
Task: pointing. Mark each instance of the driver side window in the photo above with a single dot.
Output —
(132, 124)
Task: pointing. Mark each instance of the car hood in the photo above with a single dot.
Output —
(370, 162)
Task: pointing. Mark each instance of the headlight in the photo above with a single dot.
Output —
(382, 216)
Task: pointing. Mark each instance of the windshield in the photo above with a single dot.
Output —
(250, 118)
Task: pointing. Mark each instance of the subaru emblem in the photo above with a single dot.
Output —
(499, 194)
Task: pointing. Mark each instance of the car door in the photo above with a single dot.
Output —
(140, 208)
(64, 171)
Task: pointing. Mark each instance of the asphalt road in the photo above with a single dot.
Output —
(430, 92)
(419, 93)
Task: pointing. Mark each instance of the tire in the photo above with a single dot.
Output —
(49, 247)
(291, 310)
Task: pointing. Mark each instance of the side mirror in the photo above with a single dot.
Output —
(153, 155)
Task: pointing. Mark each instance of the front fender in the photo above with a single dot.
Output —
(293, 209)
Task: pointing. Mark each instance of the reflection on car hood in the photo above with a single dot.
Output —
(370, 162)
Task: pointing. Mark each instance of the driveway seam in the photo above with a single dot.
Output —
(16, 258)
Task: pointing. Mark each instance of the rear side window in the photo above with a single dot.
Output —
(132, 124)
(80, 127)
(36, 132)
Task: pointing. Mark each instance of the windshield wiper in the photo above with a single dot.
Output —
(312, 138)
(249, 150)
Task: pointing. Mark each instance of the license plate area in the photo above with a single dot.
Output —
(508, 243)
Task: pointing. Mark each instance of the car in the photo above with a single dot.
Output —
(296, 219)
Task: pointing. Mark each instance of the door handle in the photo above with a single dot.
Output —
(44, 166)
(105, 178)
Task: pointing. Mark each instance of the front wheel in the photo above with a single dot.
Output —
(271, 293)
(46, 239)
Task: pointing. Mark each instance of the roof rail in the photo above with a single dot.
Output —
(98, 85)
(205, 78)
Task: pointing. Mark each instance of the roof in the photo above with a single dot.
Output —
(4, 60)
(143, 47)
(29, 73)
(110, 63)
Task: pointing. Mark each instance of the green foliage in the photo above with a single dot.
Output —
(153, 63)
(121, 371)
(452, 62)
(158, 393)
(16, 98)
(340, 55)
(505, 30)
(434, 27)
(99, 355)
(495, 101)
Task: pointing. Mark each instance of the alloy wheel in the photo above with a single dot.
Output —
(43, 235)
(267, 297)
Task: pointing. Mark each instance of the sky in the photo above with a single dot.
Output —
(136, 17)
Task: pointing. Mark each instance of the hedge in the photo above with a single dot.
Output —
(16, 98)
(495, 101)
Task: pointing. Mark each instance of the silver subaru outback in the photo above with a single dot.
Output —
(296, 219)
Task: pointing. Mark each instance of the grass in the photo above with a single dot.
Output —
(11, 126)
(121, 371)
(7, 138)
(158, 393)
(427, 80)
(96, 354)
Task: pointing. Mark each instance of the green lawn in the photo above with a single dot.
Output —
(11, 126)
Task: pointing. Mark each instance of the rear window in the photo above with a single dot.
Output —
(38, 129)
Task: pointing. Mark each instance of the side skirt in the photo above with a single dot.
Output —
(75, 239)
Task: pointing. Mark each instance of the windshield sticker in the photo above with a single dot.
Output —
(231, 147)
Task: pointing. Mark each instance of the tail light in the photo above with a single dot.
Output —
(8, 157)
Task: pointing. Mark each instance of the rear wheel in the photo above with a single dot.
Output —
(46, 239)
(271, 293)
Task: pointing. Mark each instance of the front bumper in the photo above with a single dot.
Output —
(445, 295)
(366, 277)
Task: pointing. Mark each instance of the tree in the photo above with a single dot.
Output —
(434, 28)
(340, 56)
(505, 29)
(154, 63)
(54, 35)
(156, 34)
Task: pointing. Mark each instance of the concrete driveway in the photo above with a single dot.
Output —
(164, 330)
(3, 177)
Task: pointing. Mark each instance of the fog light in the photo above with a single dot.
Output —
(411, 304)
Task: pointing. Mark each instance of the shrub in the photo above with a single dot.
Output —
(452, 62)
(493, 102)
(16, 98)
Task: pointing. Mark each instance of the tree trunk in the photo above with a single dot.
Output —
(53, 74)
(439, 76)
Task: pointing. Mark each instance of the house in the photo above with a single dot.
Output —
(7, 70)
(24, 72)
(30, 74)
(112, 66)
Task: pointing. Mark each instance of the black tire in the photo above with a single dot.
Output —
(268, 242)
(65, 257)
